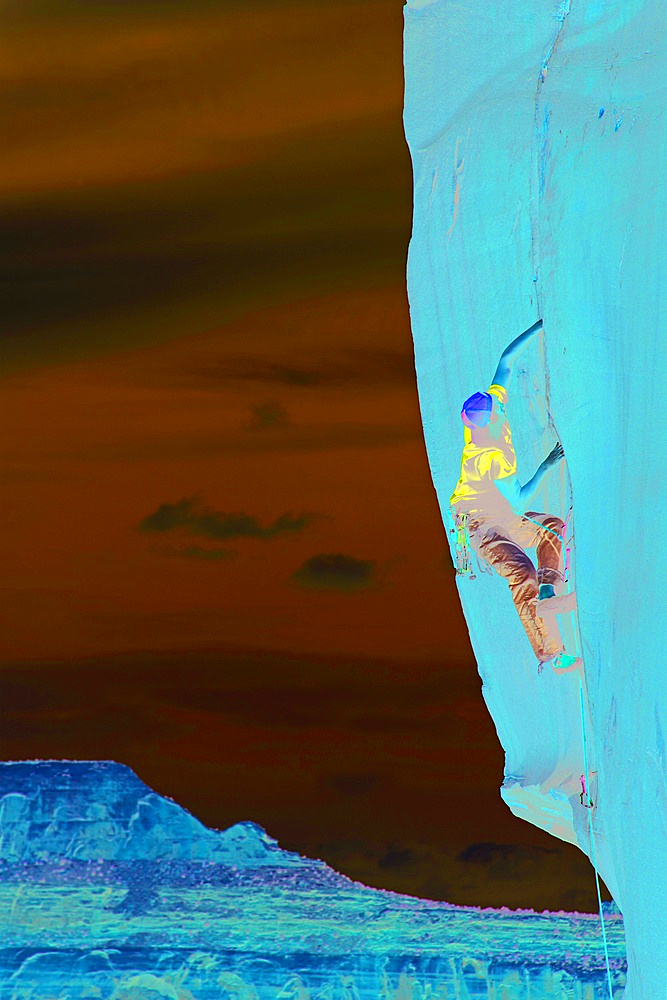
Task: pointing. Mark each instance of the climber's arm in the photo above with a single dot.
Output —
(504, 369)
(510, 487)
(526, 491)
(515, 493)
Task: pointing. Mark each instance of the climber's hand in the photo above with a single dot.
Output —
(554, 456)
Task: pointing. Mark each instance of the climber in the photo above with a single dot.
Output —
(493, 505)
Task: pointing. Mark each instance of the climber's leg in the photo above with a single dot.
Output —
(512, 563)
(547, 538)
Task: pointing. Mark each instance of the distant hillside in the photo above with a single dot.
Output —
(88, 810)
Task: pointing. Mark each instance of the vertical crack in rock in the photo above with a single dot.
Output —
(541, 150)
(538, 181)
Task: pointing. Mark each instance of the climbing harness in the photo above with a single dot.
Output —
(458, 529)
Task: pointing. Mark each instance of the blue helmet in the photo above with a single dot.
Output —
(476, 410)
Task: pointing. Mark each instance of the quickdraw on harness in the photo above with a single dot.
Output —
(458, 529)
(587, 805)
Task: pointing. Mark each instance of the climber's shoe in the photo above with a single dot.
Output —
(562, 663)
(557, 605)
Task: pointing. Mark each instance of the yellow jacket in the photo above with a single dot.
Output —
(481, 465)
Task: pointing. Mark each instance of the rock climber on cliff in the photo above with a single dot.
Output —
(491, 503)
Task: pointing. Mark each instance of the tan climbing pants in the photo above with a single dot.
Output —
(502, 546)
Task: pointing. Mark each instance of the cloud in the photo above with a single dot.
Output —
(320, 437)
(116, 277)
(269, 414)
(197, 552)
(397, 857)
(337, 369)
(353, 783)
(335, 571)
(490, 853)
(197, 519)
(557, 879)
(281, 694)
(209, 79)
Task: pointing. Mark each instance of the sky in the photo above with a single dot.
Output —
(224, 560)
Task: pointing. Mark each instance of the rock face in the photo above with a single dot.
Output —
(89, 810)
(537, 135)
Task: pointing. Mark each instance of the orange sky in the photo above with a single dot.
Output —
(207, 332)
(94, 447)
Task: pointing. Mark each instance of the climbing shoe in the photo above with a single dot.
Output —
(558, 605)
(563, 663)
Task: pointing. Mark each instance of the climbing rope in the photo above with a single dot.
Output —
(576, 630)
(584, 778)
(593, 857)
(458, 526)
(552, 530)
